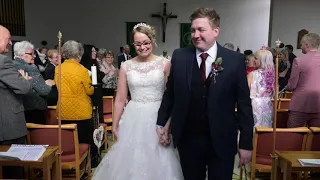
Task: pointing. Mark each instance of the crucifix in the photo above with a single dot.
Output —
(164, 19)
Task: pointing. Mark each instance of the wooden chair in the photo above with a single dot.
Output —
(282, 118)
(73, 154)
(284, 103)
(288, 94)
(287, 139)
(313, 144)
(108, 110)
(314, 139)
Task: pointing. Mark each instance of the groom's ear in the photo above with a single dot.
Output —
(216, 32)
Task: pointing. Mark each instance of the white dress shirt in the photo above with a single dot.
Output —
(210, 59)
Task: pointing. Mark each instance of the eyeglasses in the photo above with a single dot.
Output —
(142, 44)
(31, 54)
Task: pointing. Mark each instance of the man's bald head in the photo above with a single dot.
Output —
(5, 40)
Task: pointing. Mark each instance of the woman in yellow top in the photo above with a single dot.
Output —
(75, 92)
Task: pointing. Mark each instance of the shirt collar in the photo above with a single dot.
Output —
(212, 51)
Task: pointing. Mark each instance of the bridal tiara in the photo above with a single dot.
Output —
(141, 24)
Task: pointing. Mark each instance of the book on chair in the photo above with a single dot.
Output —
(23, 152)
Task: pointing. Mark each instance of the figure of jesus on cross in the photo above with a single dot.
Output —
(164, 19)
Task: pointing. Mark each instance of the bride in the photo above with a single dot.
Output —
(137, 154)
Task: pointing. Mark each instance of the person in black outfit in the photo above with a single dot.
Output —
(89, 59)
(52, 97)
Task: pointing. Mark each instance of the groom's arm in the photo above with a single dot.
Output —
(168, 97)
(244, 108)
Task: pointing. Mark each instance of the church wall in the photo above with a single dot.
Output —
(290, 16)
(245, 23)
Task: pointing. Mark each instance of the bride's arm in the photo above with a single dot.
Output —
(121, 98)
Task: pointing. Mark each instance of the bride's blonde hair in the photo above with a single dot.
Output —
(145, 29)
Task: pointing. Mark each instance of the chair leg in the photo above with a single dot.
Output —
(89, 166)
(78, 172)
(305, 175)
(241, 173)
(106, 141)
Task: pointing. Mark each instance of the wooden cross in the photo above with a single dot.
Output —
(164, 19)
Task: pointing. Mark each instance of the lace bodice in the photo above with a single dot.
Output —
(145, 79)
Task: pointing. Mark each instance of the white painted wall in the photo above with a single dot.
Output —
(290, 16)
(244, 23)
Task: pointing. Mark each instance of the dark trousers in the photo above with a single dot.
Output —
(300, 119)
(98, 101)
(108, 92)
(13, 172)
(35, 116)
(197, 155)
(283, 81)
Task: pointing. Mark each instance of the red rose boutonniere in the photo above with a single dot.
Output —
(216, 68)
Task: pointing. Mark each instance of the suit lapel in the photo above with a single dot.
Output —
(190, 57)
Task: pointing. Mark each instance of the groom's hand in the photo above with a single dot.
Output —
(244, 156)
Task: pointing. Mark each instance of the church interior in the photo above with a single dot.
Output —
(74, 135)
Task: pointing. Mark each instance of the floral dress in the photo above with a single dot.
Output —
(261, 92)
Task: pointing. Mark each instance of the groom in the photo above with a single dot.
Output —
(204, 85)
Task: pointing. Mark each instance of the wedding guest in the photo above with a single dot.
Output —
(284, 57)
(110, 79)
(229, 46)
(89, 58)
(52, 97)
(14, 84)
(34, 103)
(251, 63)
(305, 102)
(124, 56)
(261, 84)
(76, 90)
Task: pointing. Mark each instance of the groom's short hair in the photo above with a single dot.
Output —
(209, 13)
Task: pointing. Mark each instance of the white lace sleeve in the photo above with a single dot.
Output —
(125, 65)
(165, 62)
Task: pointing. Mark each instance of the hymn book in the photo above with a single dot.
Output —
(309, 162)
(24, 152)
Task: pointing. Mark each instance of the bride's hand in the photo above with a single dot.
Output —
(115, 130)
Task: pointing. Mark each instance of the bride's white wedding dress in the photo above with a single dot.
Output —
(137, 154)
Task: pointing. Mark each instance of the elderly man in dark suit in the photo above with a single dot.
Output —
(124, 56)
(13, 84)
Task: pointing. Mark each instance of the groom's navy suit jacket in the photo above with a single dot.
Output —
(231, 88)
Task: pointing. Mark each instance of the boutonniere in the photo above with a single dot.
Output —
(216, 68)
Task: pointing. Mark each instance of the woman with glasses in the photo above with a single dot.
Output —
(34, 102)
(52, 55)
(109, 82)
(137, 153)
